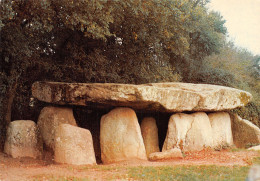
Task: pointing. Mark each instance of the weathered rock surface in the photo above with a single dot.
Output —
(166, 155)
(178, 126)
(244, 132)
(255, 148)
(73, 145)
(189, 132)
(167, 97)
(200, 134)
(150, 135)
(23, 140)
(120, 136)
(49, 120)
(221, 129)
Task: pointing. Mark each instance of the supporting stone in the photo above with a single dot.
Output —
(23, 140)
(189, 132)
(200, 134)
(173, 153)
(221, 130)
(49, 120)
(73, 145)
(150, 135)
(178, 126)
(120, 136)
(245, 133)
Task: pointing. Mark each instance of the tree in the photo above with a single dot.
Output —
(241, 66)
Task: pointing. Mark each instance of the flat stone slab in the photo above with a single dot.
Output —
(164, 97)
(173, 153)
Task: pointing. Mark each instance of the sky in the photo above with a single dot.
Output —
(242, 21)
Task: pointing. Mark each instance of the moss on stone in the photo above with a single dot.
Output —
(244, 98)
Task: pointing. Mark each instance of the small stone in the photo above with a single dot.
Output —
(173, 153)
(255, 148)
(73, 145)
(23, 140)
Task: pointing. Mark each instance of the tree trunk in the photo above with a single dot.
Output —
(8, 112)
(9, 102)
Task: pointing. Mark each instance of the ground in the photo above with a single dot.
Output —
(30, 169)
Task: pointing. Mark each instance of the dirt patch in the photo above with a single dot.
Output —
(30, 169)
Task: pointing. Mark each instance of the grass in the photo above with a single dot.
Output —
(256, 160)
(188, 173)
(191, 173)
(163, 173)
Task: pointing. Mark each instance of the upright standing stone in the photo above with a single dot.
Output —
(178, 126)
(73, 145)
(150, 135)
(221, 129)
(188, 132)
(200, 134)
(49, 120)
(120, 136)
(244, 132)
(23, 140)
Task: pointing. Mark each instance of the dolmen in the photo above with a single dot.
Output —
(200, 118)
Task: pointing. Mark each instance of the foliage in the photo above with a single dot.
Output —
(243, 70)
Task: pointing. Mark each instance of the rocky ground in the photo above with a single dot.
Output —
(29, 169)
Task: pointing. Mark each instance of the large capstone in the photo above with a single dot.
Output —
(165, 97)
(120, 136)
(23, 140)
(49, 120)
(73, 145)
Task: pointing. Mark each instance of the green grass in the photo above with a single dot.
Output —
(256, 160)
(188, 173)
(191, 173)
(163, 173)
